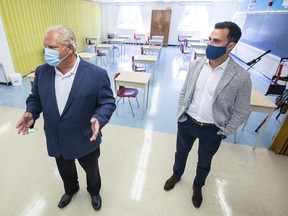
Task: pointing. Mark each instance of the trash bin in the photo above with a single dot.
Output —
(16, 79)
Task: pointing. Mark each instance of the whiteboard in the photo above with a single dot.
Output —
(267, 31)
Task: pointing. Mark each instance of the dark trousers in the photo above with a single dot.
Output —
(68, 173)
(209, 143)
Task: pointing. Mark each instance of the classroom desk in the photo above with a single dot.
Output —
(106, 48)
(157, 42)
(153, 49)
(142, 35)
(31, 77)
(88, 56)
(200, 53)
(198, 48)
(147, 59)
(259, 103)
(185, 36)
(121, 43)
(112, 35)
(126, 37)
(157, 37)
(95, 38)
(194, 40)
(196, 45)
(135, 80)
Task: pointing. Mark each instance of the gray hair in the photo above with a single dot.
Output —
(65, 35)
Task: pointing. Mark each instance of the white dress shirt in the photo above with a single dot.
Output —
(63, 85)
(202, 101)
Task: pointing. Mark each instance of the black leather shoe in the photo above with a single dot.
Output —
(96, 201)
(170, 183)
(66, 199)
(197, 197)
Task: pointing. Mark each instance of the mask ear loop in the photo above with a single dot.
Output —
(66, 55)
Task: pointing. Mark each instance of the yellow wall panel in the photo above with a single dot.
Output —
(25, 22)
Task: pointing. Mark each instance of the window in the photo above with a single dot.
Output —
(130, 17)
(194, 18)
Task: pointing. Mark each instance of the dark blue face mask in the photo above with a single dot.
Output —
(213, 52)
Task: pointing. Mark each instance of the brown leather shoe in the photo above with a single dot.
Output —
(170, 183)
(197, 197)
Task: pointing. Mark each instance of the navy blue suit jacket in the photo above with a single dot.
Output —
(90, 96)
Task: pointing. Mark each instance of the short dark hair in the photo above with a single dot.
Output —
(234, 30)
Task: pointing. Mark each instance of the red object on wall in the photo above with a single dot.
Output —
(270, 3)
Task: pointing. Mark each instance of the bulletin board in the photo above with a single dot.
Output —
(267, 31)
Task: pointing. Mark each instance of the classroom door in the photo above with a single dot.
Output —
(160, 24)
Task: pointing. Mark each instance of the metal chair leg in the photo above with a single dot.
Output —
(137, 101)
(131, 106)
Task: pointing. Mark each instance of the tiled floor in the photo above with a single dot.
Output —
(137, 157)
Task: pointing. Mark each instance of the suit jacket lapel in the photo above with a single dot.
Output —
(196, 67)
(228, 73)
(52, 87)
(76, 84)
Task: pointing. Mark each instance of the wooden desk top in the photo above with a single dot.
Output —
(157, 37)
(194, 40)
(134, 77)
(31, 75)
(200, 53)
(258, 99)
(117, 41)
(152, 47)
(104, 46)
(196, 44)
(156, 40)
(145, 58)
(140, 33)
(93, 37)
(124, 36)
(86, 55)
(185, 36)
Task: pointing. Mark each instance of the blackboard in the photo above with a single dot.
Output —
(267, 31)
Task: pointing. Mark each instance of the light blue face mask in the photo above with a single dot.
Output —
(213, 52)
(52, 56)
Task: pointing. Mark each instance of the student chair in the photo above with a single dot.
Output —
(124, 92)
(142, 51)
(135, 67)
(102, 57)
(89, 43)
(136, 39)
(184, 57)
(180, 40)
(115, 50)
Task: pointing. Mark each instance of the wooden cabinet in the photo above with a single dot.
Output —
(280, 142)
(160, 24)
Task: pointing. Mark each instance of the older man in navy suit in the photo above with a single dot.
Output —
(77, 102)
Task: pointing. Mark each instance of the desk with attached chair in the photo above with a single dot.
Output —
(88, 56)
(147, 59)
(135, 80)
